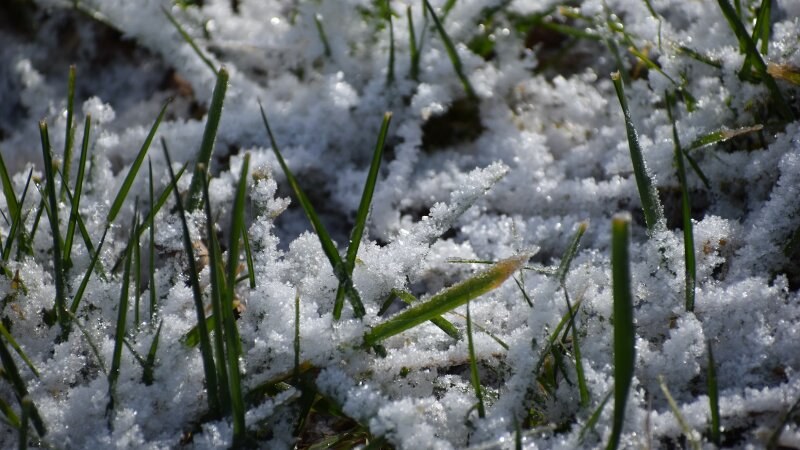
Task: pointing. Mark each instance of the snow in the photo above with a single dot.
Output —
(545, 150)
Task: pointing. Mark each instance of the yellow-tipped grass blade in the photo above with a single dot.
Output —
(447, 300)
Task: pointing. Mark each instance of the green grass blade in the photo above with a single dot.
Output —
(774, 439)
(116, 206)
(151, 224)
(761, 31)
(676, 411)
(624, 333)
(87, 240)
(60, 301)
(13, 343)
(390, 71)
(148, 375)
(322, 36)
(446, 300)
(233, 345)
(209, 137)
(697, 170)
(339, 268)
(443, 324)
(11, 373)
(754, 57)
(74, 213)
(137, 271)
(26, 406)
(589, 425)
(76, 301)
(119, 336)
(189, 40)
(563, 269)
(653, 212)
(8, 189)
(17, 230)
(721, 136)
(413, 51)
(452, 53)
(690, 274)
(205, 343)
(248, 254)
(474, 376)
(162, 199)
(296, 369)
(217, 303)
(92, 345)
(70, 132)
(713, 397)
(362, 213)
(521, 286)
(698, 57)
(9, 416)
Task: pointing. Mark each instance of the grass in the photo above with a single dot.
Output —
(624, 330)
(217, 334)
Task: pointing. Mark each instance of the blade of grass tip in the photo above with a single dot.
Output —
(60, 302)
(70, 132)
(653, 212)
(17, 229)
(189, 40)
(676, 411)
(13, 343)
(205, 343)
(322, 36)
(233, 344)
(750, 50)
(119, 336)
(690, 274)
(362, 213)
(151, 224)
(74, 213)
(390, 71)
(721, 136)
(8, 189)
(713, 397)
(455, 60)
(148, 375)
(624, 333)
(116, 206)
(217, 293)
(447, 300)
(473, 367)
(322, 233)
(412, 46)
(443, 324)
(13, 376)
(209, 137)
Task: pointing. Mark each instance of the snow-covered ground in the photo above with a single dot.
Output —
(542, 149)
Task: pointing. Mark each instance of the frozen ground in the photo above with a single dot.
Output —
(546, 141)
